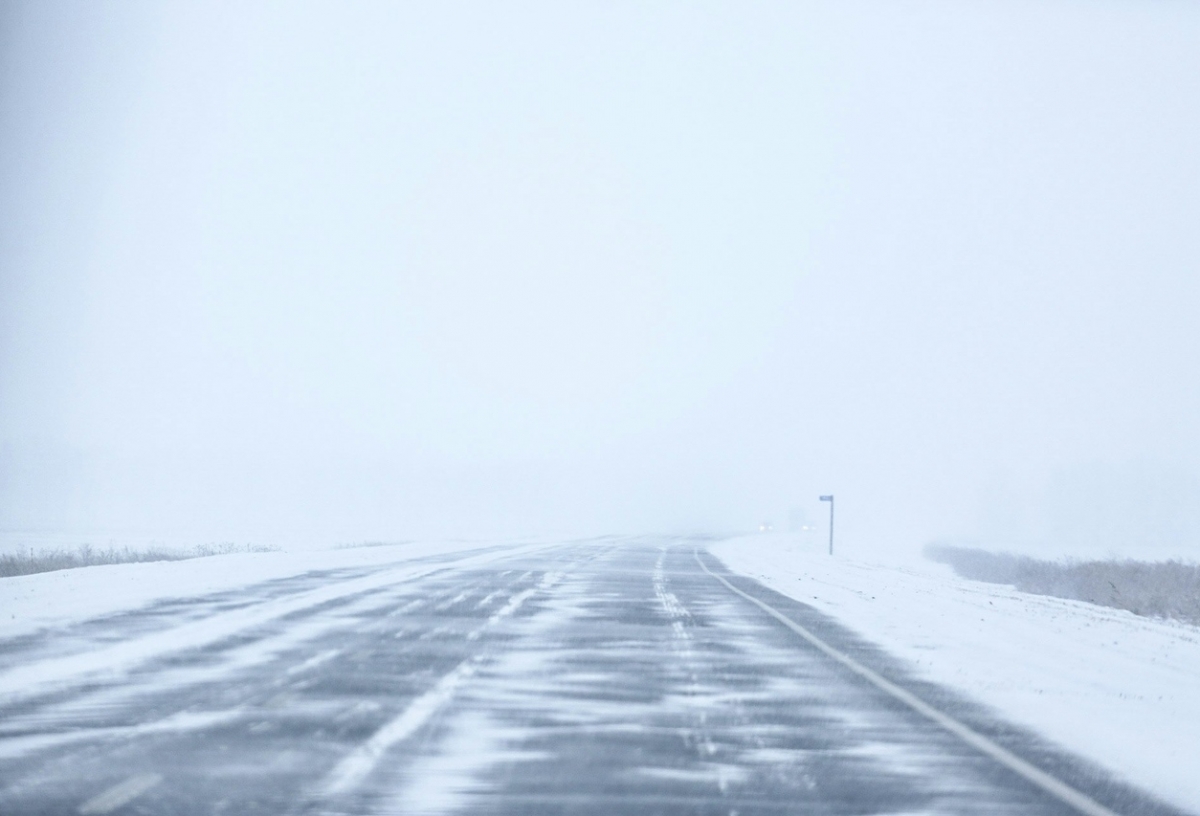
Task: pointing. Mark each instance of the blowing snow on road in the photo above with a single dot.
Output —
(605, 676)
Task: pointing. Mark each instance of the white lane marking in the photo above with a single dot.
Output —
(681, 643)
(1055, 787)
(670, 602)
(112, 661)
(362, 760)
(120, 794)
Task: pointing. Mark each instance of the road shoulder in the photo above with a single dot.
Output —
(1114, 688)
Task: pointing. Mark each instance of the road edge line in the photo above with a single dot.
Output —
(1031, 773)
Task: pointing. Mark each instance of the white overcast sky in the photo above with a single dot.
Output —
(326, 272)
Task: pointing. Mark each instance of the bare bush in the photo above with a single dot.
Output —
(356, 545)
(227, 548)
(30, 561)
(1163, 589)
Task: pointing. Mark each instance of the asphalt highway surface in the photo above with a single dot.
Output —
(606, 676)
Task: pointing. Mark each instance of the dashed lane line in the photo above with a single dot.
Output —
(1031, 773)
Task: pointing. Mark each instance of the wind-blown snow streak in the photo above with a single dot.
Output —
(121, 794)
(358, 764)
(46, 675)
(178, 723)
(355, 767)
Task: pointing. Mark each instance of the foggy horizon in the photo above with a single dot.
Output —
(303, 274)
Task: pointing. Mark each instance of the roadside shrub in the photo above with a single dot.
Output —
(29, 561)
(1163, 589)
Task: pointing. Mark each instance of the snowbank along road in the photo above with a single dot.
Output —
(610, 676)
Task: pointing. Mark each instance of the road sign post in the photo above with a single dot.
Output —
(830, 500)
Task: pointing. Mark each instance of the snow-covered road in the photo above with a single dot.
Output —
(610, 676)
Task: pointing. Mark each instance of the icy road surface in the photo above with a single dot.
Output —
(602, 677)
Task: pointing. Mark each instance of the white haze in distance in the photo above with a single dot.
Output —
(303, 273)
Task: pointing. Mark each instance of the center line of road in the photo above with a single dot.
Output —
(1051, 785)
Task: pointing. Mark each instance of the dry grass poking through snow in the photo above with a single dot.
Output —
(29, 562)
(1164, 589)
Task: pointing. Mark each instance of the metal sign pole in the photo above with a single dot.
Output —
(830, 500)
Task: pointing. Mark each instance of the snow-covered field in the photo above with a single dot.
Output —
(1121, 690)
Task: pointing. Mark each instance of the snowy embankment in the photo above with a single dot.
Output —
(29, 603)
(1121, 690)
